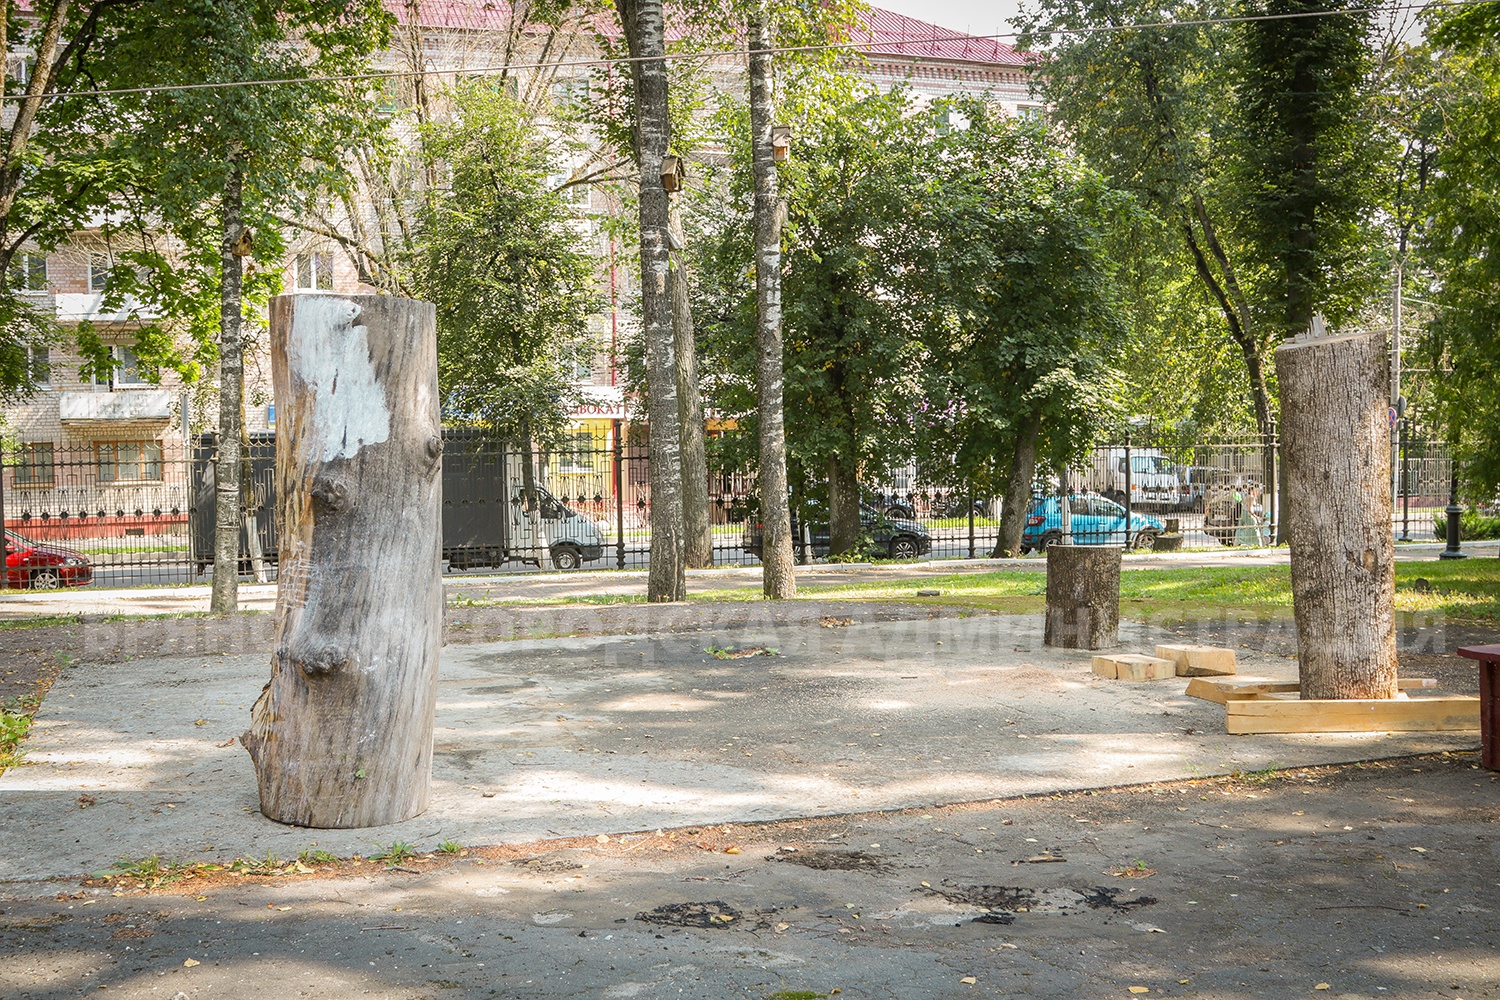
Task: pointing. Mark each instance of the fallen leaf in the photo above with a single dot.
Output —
(1322, 986)
(1420, 850)
(782, 926)
(968, 980)
(731, 850)
(201, 722)
(603, 838)
(927, 885)
(1140, 989)
(190, 963)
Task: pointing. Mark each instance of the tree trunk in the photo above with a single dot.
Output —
(1083, 597)
(342, 734)
(228, 506)
(1334, 400)
(645, 36)
(1018, 490)
(844, 526)
(697, 525)
(777, 547)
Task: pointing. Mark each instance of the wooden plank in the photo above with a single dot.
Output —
(1449, 713)
(1221, 691)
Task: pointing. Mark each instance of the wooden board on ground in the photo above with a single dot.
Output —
(1134, 667)
(1199, 661)
(1446, 713)
(1222, 691)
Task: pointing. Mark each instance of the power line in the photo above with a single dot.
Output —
(871, 47)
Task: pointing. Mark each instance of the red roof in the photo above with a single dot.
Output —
(887, 32)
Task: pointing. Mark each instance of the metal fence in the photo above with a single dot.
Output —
(130, 512)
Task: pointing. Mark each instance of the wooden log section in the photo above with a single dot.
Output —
(342, 734)
(1083, 596)
(1337, 510)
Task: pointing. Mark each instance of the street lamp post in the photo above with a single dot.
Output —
(1454, 513)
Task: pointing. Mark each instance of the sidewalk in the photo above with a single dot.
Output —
(553, 586)
(903, 706)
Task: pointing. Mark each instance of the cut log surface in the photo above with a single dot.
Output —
(1199, 661)
(1083, 597)
(342, 734)
(1337, 510)
(1134, 667)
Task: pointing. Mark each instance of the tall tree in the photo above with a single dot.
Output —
(213, 158)
(501, 262)
(1150, 107)
(778, 579)
(1303, 151)
(1461, 239)
(645, 36)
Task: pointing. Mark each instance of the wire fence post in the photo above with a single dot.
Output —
(5, 570)
(1129, 492)
(619, 497)
(970, 505)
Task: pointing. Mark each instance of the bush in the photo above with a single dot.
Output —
(1472, 526)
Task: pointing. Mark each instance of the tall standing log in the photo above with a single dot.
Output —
(1335, 440)
(342, 734)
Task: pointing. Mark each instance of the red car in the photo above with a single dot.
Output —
(43, 567)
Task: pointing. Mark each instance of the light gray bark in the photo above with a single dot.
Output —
(1018, 489)
(645, 37)
(342, 734)
(698, 528)
(228, 473)
(1336, 461)
(777, 548)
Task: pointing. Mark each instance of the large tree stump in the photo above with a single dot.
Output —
(342, 734)
(1336, 447)
(1083, 596)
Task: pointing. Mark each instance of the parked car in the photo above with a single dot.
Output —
(43, 567)
(1153, 478)
(1096, 520)
(898, 538)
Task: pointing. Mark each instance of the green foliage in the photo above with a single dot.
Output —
(169, 167)
(15, 723)
(316, 856)
(500, 258)
(1462, 241)
(1305, 158)
(450, 847)
(394, 853)
(1472, 526)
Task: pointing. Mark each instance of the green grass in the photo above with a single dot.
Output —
(15, 723)
(1467, 589)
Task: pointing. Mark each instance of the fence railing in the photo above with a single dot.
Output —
(134, 513)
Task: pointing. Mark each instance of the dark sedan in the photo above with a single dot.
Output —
(893, 537)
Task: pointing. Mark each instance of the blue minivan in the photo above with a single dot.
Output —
(1096, 521)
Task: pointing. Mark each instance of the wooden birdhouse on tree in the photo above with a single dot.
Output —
(673, 173)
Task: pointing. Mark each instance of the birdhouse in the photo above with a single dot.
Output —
(673, 173)
(781, 142)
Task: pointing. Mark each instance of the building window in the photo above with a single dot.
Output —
(1029, 112)
(126, 371)
(39, 364)
(127, 461)
(99, 267)
(315, 272)
(28, 272)
(34, 464)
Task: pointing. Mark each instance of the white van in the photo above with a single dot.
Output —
(1153, 478)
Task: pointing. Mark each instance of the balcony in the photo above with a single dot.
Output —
(101, 409)
(75, 307)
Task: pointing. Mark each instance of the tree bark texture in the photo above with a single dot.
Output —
(1018, 489)
(697, 524)
(1336, 456)
(1083, 597)
(228, 473)
(778, 579)
(645, 37)
(342, 734)
(844, 526)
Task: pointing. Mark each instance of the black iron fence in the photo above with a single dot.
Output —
(137, 512)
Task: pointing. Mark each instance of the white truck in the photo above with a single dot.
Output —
(1153, 485)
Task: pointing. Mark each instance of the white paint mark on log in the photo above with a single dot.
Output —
(330, 354)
